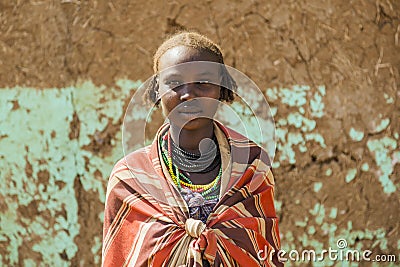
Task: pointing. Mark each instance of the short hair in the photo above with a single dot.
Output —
(201, 43)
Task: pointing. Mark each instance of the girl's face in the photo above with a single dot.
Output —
(189, 92)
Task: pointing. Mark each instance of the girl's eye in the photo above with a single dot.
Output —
(203, 82)
(173, 83)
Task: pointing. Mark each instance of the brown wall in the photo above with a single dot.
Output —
(341, 180)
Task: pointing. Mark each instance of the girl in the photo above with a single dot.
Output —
(201, 194)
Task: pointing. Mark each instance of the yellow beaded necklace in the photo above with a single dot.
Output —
(179, 183)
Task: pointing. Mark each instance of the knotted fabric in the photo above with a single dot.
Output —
(194, 228)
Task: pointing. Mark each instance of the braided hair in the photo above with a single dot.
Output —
(201, 43)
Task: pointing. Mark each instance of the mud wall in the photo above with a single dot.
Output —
(330, 71)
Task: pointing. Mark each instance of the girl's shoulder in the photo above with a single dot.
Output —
(137, 158)
(243, 149)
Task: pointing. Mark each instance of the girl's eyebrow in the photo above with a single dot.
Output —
(171, 75)
(177, 75)
(206, 73)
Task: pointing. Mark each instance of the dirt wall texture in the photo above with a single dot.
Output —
(329, 69)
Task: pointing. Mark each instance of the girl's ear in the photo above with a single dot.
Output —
(154, 93)
(221, 93)
(228, 85)
(222, 83)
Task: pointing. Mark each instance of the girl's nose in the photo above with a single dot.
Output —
(187, 91)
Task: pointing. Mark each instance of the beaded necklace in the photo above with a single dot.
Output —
(208, 191)
(203, 162)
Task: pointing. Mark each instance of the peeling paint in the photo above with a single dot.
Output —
(276, 164)
(317, 186)
(353, 237)
(96, 249)
(311, 230)
(41, 209)
(42, 160)
(296, 98)
(351, 174)
(301, 223)
(274, 110)
(333, 213)
(316, 103)
(382, 125)
(365, 167)
(356, 135)
(389, 99)
(381, 149)
(27, 147)
(319, 213)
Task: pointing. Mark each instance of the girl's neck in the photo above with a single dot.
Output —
(189, 140)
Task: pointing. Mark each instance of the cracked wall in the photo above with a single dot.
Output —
(54, 172)
(330, 71)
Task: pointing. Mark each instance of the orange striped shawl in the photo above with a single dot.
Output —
(145, 216)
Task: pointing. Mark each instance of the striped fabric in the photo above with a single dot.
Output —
(147, 221)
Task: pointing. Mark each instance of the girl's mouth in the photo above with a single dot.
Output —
(188, 109)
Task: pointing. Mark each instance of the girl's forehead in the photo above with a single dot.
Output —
(192, 70)
(182, 54)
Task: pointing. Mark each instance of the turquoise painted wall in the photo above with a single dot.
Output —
(58, 146)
